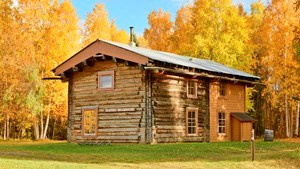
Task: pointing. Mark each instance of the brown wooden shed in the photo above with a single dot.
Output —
(241, 126)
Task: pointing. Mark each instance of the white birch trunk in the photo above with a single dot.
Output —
(46, 125)
(297, 120)
(287, 118)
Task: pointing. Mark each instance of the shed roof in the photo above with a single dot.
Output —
(243, 117)
(148, 55)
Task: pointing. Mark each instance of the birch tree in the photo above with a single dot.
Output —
(160, 30)
(280, 57)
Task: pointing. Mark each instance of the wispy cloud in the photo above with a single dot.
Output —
(181, 2)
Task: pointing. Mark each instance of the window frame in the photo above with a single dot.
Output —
(219, 121)
(106, 73)
(192, 96)
(195, 110)
(90, 108)
(222, 89)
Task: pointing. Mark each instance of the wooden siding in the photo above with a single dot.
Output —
(121, 111)
(233, 101)
(235, 129)
(169, 95)
(246, 131)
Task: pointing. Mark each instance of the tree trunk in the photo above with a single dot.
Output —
(36, 129)
(46, 126)
(4, 131)
(287, 118)
(42, 125)
(53, 129)
(291, 122)
(297, 120)
(47, 120)
(7, 128)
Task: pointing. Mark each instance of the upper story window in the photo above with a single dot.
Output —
(222, 88)
(191, 89)
(191, 121)
(89, 121)
(106, 80)
(221, 125)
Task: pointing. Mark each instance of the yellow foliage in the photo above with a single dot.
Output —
(160, 31)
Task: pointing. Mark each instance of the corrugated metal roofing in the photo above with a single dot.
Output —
(171, 58)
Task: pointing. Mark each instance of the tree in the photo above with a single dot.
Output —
(10, 64)
(279, 57)
(255, 21)
(160, 30)
(182, 36)
(97, 25)
(118, 35)
(51, 32)
(220, 33)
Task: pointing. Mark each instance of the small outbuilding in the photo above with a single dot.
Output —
(241, 126)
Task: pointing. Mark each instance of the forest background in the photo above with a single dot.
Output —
(37, 35)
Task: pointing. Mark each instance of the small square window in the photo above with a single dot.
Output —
(106, 80)
(222, 88)
(191, 89)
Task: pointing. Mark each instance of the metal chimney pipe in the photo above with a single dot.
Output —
(131, 43)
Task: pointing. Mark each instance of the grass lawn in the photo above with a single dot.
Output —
(53, 154)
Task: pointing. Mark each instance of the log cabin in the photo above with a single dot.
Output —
(125, 94)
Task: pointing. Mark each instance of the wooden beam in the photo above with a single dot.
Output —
(84, 63)
(75, 69)
(91, 61)
(114, 59)
(98, 55)
(51, 78)
(220, 77)
(140, 66)
(126, 63)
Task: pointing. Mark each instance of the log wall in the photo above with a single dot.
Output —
(121, 112)
(169, 99)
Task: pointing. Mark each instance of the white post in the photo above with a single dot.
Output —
(252, 145)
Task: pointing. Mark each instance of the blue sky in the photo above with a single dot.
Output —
(134, 12)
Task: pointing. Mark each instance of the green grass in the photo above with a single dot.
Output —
(27, 154)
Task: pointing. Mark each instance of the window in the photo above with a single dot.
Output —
(191, 121)
(191, 89)
(89, 121)
(222, 122)
(106, 80)
(222, 88)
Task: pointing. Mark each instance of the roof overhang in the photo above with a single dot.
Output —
(243, 117)
(202, 74)
(99, 47)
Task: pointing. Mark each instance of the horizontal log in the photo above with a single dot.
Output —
(118, 137)
(118, 117)
(169, 135)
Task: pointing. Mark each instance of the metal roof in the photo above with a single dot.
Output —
(191, 62)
